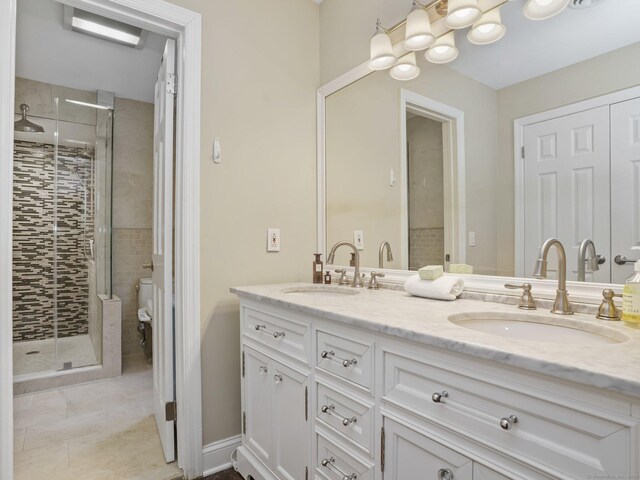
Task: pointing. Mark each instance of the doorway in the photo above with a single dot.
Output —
(184, 26)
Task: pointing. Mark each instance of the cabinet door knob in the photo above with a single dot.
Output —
(263, 369)
(507, 422)
(438, 396)
(277, 378)
(445, 474)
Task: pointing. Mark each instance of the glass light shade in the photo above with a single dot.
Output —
(543, 9)
(418, 34)
(444, 50)
(488, 29)
(382, 56)
(462, 13)
(406, 68)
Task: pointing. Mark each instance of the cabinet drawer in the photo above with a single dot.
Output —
(335, 463)
(286, 336)
(347, 358)
(553, 438)
(347, 416)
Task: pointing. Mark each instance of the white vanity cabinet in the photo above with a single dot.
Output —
(327, 401)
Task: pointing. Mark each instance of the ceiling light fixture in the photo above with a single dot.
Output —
(488, 29)
(462, 13)
(102, 27)
(543, 9)
(448, 15)
(406, 68)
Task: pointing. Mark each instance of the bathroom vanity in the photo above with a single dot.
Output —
(344, 383)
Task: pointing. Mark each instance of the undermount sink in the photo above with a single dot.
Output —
(538, 328)
(321, 290)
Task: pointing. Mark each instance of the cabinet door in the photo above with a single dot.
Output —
(258, 402)
(291, 425)
(409, 454)
(480, 472)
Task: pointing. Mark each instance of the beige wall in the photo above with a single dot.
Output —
(132, 209)
(259, 80)
(604, 74)
(363, 144)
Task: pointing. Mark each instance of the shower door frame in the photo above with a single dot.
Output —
(184, 26)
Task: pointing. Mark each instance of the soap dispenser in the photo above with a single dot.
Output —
(317, 269)
(631, 298)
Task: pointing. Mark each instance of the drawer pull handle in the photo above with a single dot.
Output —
(445, 474)
(507, 422)
(329, 463)
(331, 410)
(263, 369)
(438, 396)
(332, 355)
(263, 328)
(277, 378)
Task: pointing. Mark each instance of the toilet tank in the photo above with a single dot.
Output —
(145, 292)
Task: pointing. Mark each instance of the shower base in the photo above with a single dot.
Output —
(37, 356)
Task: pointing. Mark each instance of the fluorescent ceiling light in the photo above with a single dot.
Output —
(104, 31)
(85, 104)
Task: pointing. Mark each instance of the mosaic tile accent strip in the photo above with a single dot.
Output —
(35, 246)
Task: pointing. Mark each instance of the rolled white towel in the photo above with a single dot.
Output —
(448, 287)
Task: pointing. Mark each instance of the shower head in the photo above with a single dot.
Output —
(24, 125)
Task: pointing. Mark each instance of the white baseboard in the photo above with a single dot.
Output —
(217, 455)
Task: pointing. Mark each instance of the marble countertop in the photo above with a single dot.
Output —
(613, 366)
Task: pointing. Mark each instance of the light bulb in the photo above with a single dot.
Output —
(406, 69)
(462, 13)
(444, 50)
(543, 9)
(543, 3)
(488, 29)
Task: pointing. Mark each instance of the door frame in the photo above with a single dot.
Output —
(455, 219)
(518, 142)
(185, 26)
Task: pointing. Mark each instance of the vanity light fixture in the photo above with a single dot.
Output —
(406, 68)
(418, 34)
(382, 56)
(543, 9)
(444, 50)
(488, 29)
(462, 13)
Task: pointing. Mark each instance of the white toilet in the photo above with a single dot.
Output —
(145, 314)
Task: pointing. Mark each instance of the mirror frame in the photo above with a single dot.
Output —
(581, 292)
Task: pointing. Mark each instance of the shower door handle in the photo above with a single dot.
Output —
(148, 265)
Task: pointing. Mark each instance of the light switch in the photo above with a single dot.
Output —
(217, 154)
(273, 240)
(472, 239)
(358, 239)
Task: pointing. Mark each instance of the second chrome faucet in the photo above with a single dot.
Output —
(561, 305)
(357, 278)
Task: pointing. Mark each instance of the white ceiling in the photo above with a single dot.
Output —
(533, 48)
(47, 53)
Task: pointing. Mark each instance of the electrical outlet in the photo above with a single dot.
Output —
(472, 239)
(273, 240)
(358, 239)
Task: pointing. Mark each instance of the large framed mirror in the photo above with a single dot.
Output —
(479, 160)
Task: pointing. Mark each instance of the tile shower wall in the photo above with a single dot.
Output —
(426, 247)
(33, 245)
(132, 209)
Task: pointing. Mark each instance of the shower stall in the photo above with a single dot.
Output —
(61, 234)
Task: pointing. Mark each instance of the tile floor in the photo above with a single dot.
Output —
(101, 430)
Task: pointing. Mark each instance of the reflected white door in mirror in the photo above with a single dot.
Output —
(576, 181)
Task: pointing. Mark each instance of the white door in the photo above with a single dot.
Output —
(625, 180)
(409, 455)
(566, 189)
(290, 422)
(163, 334)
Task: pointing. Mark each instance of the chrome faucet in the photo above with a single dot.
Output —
(357, 279)
(561, 306)
(592, 261)
(381, 254)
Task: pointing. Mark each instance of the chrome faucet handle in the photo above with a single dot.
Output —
(343, 276)
(526, 300)
(373, 281)
(607, 309)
